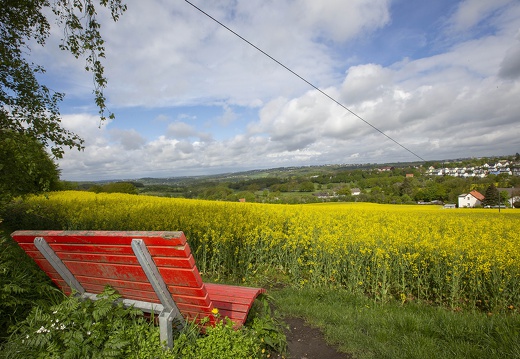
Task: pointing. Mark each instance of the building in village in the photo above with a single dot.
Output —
(470, 200)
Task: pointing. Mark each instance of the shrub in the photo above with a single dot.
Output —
(22, 286)
(77, 328)
(220, 342)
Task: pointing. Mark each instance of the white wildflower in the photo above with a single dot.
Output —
(42, 330)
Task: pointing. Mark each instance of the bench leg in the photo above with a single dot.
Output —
(166, 327)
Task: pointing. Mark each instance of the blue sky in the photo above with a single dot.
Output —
(442, 78)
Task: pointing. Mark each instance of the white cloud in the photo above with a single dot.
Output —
(129, 139)
(162, 118)
(510, 65)
(365, 82)
(228, 116)
(180, 129)
(343, 20)
(470, 13)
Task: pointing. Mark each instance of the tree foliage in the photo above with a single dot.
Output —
(25, 166)
(26, 105)
(115, 187)
(492, 196)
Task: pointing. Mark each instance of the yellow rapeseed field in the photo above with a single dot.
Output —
(455, 257)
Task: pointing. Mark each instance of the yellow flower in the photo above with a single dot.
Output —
(214, 311)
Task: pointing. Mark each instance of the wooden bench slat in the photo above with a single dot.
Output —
(234, 307)
(237, 317)
(187, 262)
(175, 262)
(148, 295)
(172, 276)
(231, 293)
(233, 290)
(128, 257)
(104, 237)
(34, 254)
(181, 277)
(144, 286)
(181, 251)
(97, 258)
(145, 296)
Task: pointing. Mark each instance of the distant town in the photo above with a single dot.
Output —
(498, 168)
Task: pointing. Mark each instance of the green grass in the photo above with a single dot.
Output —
(366, 329)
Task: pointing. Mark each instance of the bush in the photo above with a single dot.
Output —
(19, 214)
(116, 187)
(22, 286)
(25, 166)
(220, 342)
(77, 328)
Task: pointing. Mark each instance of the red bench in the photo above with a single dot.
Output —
(153, 271)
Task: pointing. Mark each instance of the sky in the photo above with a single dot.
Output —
(377, 81)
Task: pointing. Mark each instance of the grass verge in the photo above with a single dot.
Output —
(368, 329)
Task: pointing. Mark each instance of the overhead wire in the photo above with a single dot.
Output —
(305, 80)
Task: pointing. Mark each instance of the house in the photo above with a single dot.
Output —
(324, 195)
(472, 199)
(355, 191)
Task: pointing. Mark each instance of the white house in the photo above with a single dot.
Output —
(472, 199)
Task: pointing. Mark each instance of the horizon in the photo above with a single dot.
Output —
(217, 174)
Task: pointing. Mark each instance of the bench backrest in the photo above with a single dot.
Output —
(100, 258)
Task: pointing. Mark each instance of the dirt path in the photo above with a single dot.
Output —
(306, 342)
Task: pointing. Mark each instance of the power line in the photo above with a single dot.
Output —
(306, 81)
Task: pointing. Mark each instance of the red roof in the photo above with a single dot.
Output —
(477, 195)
